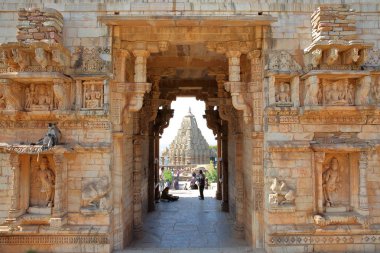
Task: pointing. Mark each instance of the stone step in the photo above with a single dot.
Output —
(193, 250)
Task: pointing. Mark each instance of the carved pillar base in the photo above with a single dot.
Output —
(218, 194)
(137, 231)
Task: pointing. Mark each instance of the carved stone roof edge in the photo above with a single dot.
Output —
(86, 77)
(359, 145)
(283, 74)
(34, 76)
(37, 44)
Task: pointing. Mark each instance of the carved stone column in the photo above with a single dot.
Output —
(256, 87)
(239, 187)
(60, 198)
(151, 169)
(319, 158)
(78, 94)
(14, 211)
(137, 198)
(258, 189)
(218, 194)
(363, 196)
(140, 65)
(224, 137)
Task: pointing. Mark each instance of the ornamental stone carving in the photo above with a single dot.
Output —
(282, 95)
(281, 193)
(313, 92)
(362, 93)
(38, 97)
(93, 94)
(282, 61)
(95, 194)
(330, 181)
(338, 92)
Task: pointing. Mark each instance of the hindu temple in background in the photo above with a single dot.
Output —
(189, 147)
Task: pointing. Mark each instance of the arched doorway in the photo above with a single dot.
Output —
(219, 63)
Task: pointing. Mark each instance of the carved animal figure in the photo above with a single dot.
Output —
(281, 193)
(41, 57)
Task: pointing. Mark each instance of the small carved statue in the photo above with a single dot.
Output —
(313, 91)
(362, 95)
(283, 93)
(281, 194)
(21, 58)
(94, 194)
(41, 57)
(47, 178)
(93, 97)
(330, 181)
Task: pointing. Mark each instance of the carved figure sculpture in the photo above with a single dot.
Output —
(316, 57)
(60, 95)
(330, 181)
(3, 104)
(47, 178)
(283, 93)
(93, 97)
(38, 98)
(362, 95)
(332, 56)
(281, 194)
(94, 194)
(21, 58)
(41, 57)
(311, 97)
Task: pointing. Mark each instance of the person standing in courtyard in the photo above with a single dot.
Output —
(201, 184)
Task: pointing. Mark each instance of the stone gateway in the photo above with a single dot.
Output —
(292, 94)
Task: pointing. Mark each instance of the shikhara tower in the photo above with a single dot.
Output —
(189, 147)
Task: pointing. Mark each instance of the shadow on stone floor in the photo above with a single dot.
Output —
(188, 225)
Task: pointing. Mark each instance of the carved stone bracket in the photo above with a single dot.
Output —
(240, 98)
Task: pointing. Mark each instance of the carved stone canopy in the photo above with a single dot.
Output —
(282, 62)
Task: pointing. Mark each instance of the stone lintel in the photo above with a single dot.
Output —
(35, 77)
(247, 20)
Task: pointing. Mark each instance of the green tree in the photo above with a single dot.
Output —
(168, 176)
(211, 173)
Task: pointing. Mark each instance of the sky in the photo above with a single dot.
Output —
(181, 108)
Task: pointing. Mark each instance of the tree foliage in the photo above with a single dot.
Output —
(212, 173)
(168, 176)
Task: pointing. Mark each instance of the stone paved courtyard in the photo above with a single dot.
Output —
(189, 225)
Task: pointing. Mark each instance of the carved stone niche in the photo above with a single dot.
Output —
(93, 94)
(284, 91)
(328, 90)
(340, 183)
(39, 97)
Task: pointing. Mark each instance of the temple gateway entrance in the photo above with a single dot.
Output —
(217, 61)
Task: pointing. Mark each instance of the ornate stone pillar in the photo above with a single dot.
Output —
(14, 211)
(239, 187)
(137, 200)
(78, 94)
(140, 65)
(218, 194)
(157, 165)
(60, 183)
(224, 138)
(151, 169)
(258, 189)
(363, 196)
(256, 87)
(319, 158)
(233, 65)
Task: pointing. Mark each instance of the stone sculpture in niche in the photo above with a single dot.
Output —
(47, 179)
(281, 194)
(362, 95)
(312, 96)
(94, 194)
(93, 96)
(283, 93)
(339, 92)
(38, 98)
(330, 181)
